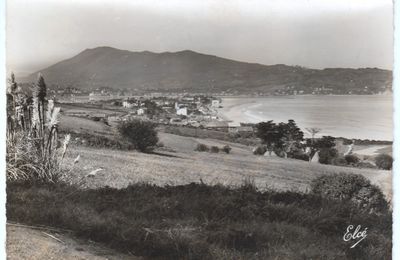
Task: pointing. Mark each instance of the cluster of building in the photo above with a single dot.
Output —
(181, 110)
(198, 111)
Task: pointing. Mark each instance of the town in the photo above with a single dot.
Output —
(173, 109)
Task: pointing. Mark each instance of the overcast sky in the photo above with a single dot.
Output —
(311, 33)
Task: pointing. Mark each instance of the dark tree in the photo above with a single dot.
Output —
(320, 143)
(141, 134)
(283, 137)
(325, 146)
(152, 108)
(291, 136)
(269, 134)
(327, 155)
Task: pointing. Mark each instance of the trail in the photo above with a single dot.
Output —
(38, 244)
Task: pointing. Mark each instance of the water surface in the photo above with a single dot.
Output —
(363, 117)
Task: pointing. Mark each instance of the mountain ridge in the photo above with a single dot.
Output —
(188, 70)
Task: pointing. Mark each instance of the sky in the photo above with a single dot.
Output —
(310, 33)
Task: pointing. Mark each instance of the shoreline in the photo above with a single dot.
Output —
(349, 118)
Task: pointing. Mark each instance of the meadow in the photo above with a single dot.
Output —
(178, 163)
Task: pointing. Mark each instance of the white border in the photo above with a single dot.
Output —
(396, 134)
(396, 121)
(3, 84)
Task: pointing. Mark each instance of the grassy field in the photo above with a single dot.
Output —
(178, 163)
(84, 125)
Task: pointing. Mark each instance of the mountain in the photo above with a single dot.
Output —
(196, 72)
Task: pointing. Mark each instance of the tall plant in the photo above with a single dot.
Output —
(32, 135)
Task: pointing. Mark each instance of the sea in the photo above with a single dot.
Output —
(352, 116)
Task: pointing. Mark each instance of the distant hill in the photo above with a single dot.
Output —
(196, 72)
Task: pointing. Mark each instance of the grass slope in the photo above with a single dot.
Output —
(185, 166)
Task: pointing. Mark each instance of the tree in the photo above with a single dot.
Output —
(269, 134)
(141, 134)
(291, 136)
(327, 155)
(283, 137)
(325, 146)
(152, 108)
(313, 131)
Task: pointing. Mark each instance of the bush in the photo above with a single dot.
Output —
(299, 156)
(339, 161)
(260, 150)
(347, 141)
(350, 187)
(202, 148)
(327, 155)
(384, 161)
(227, 149)
(366, 165)
(141, 134)
(214, 149)
(351, 159)
(100, 141)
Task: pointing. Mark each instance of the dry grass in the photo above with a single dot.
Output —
(185, 166)
(84, 125)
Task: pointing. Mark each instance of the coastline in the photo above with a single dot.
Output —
(350, 116)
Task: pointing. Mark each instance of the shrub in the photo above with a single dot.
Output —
(347, 141)
(384, 161)
(351, 159)
(141, 134)
(327, 155)
(202, 148)
(365, 164)
(351, 187)
(339, 161)
(260, 150)
(299, 156)
(214, 149)
(227, 149)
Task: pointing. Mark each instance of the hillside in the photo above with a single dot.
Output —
(196, 72)
(178, 164)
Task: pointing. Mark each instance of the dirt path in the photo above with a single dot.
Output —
(33, 244)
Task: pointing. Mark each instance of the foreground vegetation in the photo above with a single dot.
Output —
(199, 221)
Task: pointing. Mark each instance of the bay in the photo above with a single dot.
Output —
(360, 117)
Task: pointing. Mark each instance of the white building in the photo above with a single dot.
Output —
(215, 103)
(127, 104)
(182, 111)
(141, 111)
